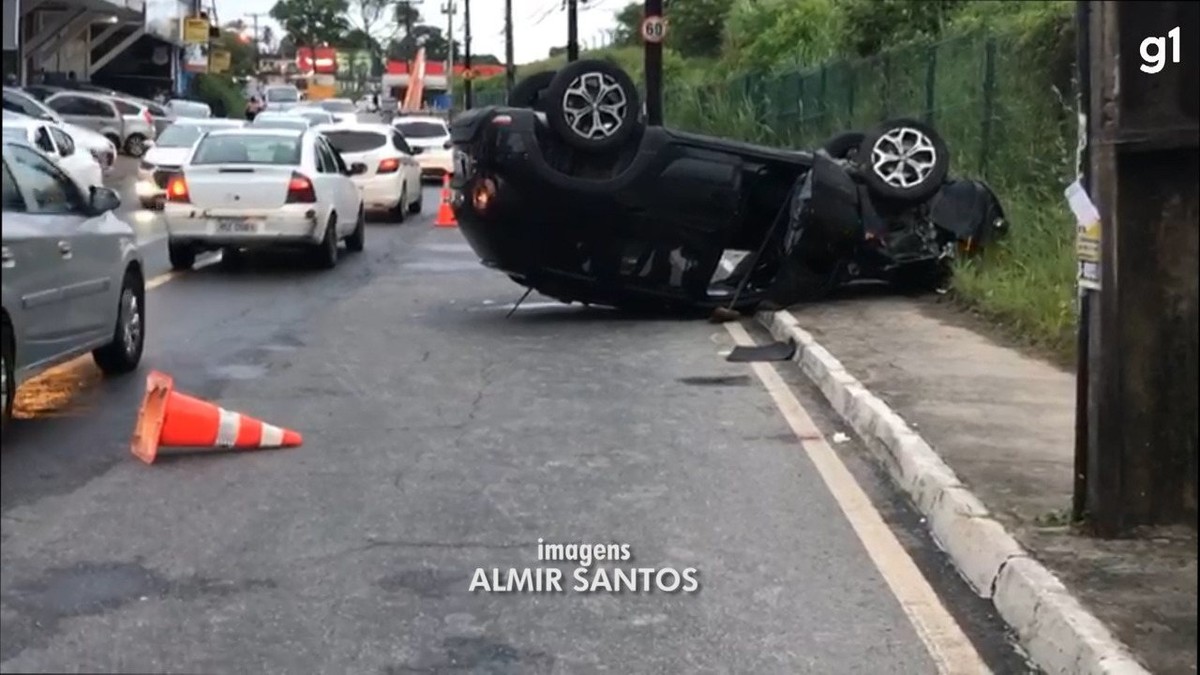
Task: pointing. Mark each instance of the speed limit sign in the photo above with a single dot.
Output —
(654, 29)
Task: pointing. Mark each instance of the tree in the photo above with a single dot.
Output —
(406, 15)
(241, 51)
(422, 35)
(694, 27)
(312, 22)
(629, 21)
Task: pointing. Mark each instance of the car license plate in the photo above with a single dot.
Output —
(237, 225)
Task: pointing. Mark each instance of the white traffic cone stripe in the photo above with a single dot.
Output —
(227, 430)
(272, 436)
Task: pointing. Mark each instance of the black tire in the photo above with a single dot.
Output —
(8, 387)
(182, 256)
(135, 145)
(844, 145)
(418, 205)
(325, 255)
(936, 151)
(115, 140)
(357, 239)
(528, 93)
(123, 354)
(574, 75)
(400, 210)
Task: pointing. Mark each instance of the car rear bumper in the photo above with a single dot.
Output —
(381, 191)
(293, 224)
(436, 165)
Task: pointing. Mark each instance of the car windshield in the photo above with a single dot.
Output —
(338, 106)
(248, 149)
(282, 95)
(421, 129)
(179, 136)
(356, 141)
(280, 123)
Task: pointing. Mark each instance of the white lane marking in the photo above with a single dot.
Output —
(949, 647)
(164, 278)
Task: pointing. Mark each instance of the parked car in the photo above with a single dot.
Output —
(72, 279)
(93, 111)
(42, 91)
(392, 179)
(139, 125)
(574, 195)
(255, 187)
(100, 147)
(430, 141)
(182, 108)
(167, 154)
(57, 144)
(281, 120)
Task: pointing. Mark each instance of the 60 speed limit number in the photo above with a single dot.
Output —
(654, 29)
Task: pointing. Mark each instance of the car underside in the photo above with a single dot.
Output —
(626, 214)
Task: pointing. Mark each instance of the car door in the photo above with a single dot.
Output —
(81, 165)
(342, 191)
(409, 164)
(73, 109)
(57, 205)
(35, 270)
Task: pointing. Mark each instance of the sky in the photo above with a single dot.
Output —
(538, 25)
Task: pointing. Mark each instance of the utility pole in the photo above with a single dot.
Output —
(510, 68)
(468, 101)
(572, 30)
(448, 9)
(257, 44)
(653, 68)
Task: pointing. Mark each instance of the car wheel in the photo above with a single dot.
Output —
(123, 354)
(400, 210)
(135, 145)
(182, 256)
(326, 253)
(593, 105)
(8, 381)
(904, 159)
(418, 205)
(844, 145)
(114, 139)
(528, 93)
(357, 238)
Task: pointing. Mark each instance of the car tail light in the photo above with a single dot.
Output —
(148, 117)
(177, 190)
(300, 190)
(389, 165)
(483, 194)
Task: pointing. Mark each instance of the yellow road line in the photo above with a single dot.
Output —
(949, 647)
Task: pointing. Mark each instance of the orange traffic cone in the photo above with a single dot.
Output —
(171, 419)
(445, 215)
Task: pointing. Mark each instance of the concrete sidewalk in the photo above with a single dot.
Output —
(979, 434)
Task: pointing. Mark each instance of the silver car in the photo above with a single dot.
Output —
(139, 125)
(90, 111)
(181, 108)
(72, 279)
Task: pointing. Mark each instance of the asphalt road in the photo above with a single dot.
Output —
(442, 437)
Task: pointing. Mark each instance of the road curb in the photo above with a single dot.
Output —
(1060, 636)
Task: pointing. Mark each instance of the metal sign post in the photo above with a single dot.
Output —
(654, 25)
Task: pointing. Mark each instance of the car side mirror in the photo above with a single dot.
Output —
(102, 200)
(358, 169)
(448, 144)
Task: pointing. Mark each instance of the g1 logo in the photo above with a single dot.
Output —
(1154, 51)
(654, 29)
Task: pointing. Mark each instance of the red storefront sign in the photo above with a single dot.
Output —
(322, 60)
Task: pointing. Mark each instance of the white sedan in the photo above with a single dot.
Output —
(56, 143)
(254, 187)
(392, 179)
(430, 138)
(167, 154)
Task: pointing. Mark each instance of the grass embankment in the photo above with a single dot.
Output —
(996, 81)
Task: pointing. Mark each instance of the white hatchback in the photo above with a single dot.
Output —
(253, 188)
(392, 179)
(56, 143)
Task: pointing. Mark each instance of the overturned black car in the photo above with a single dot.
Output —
(570, 193)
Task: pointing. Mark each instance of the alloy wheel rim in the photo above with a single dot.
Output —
(904, 157)
(594, 105)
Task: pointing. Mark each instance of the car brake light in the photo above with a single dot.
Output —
(389, 165)
(177, 190)
(148, 117)
(300, 190)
